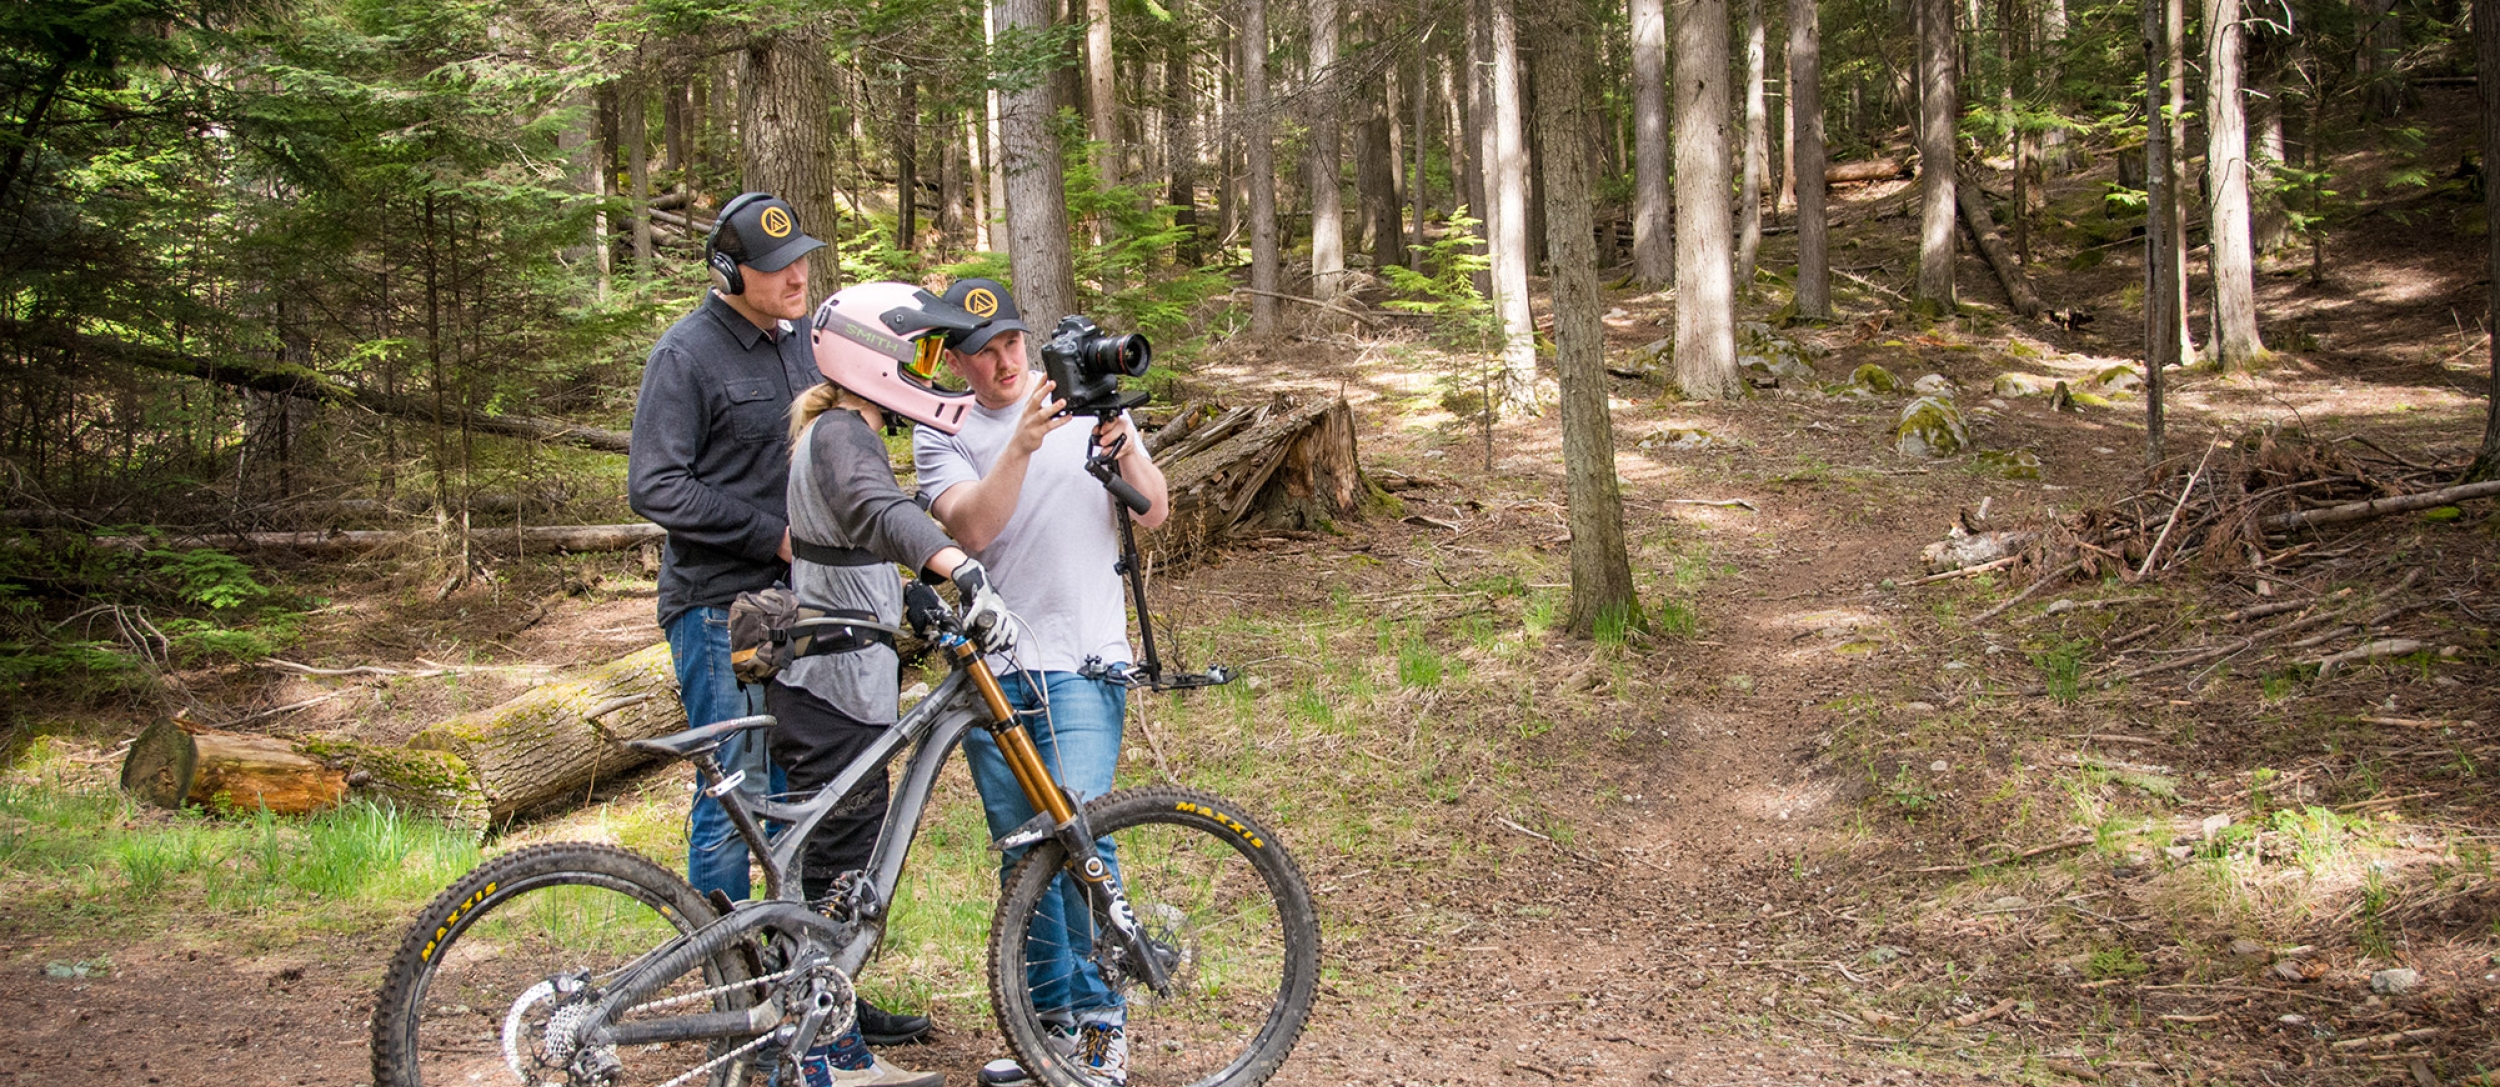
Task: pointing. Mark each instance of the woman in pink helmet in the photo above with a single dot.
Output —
(850, 526)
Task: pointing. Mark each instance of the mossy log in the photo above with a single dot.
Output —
(172, 765)
(1288, 463)
(562, 738)
(341, 544)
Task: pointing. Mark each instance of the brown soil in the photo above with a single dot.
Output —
(1752, 887)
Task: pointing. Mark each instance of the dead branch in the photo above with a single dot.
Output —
(2381, 507)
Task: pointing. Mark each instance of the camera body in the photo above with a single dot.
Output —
(1086, 363)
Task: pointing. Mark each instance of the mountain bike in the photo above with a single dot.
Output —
(584, 964)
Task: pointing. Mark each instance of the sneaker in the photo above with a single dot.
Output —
(846, 1062)
(1104, 1049)
(883, 1028)
(1005, 1072)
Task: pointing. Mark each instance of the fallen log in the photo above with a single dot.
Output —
(572, 538)
(562, 738)
(308, 385)
(1983, 229)
(1286, 464)
(2381, 507)
(1853, 173)
(172, 765)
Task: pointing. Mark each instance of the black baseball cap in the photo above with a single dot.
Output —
(763, 234)
(989, 300)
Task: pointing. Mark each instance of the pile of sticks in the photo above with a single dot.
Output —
(2247, 506)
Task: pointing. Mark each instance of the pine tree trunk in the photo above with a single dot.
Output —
(2161, 317)
(2376, 61)
(1705, 302)
(785, 100)
(1260, 163)
(2487, 59)
(1037, 206)
(1601, 572)
(2057, 154)
(994, 234)
(2235, 340)
(1324, 154)
(634, 129)
(2174, 208)
(1510, 185)
(1180, 140)
(1415, 190)
(907, 163)
(1102, 97)
(1653, 241)
(1939, 108)
(2270, 228)
(673, 114)
(1805, 107)
(1484, 188)
(1757, 151)
(1376, 178)
(950, 223)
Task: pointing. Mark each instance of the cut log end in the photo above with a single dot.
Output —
(171, 767)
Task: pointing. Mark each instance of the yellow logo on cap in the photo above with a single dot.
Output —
(982, 303)
(776, 222)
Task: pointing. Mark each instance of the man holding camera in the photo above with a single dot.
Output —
(1012, 488)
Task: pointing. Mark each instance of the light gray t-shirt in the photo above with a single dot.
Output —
(843, 494)
(1055, 562)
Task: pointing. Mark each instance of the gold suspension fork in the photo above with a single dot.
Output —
(1015, 743)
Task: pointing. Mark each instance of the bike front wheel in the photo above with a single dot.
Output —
(1224, 907)
(500, 964)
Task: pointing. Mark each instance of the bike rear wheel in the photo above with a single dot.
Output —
(479, 978)
(1225, 906)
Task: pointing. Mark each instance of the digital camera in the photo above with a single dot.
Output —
(1086, 363)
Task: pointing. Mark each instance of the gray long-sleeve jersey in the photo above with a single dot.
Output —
(843, 494)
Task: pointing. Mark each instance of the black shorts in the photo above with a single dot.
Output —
(814, 743)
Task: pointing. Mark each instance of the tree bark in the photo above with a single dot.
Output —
(1324, 154)
(950, 221)
(1037, 206)
(1180, 140)
(2269, 227)
(2174, 207)
(634, 128)
(173, 766)
(1939, 108)
(1757, 151)
(2161, 317)
(1983, 230)
(1376, 176)
(1482, 187)
(1705, 303)
(907, 162)
(785, 108)
(544, 745)
(994, 233)
(1102, 94)
(1653, 244)
(1805, 107)
(1510, 253)
(2487, 89)
(1413, 257)
(2230, 247)
(1260, 163)
(1601, 571)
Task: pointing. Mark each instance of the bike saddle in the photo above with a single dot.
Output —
(696, 741)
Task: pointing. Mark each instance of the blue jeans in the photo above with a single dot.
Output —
(1080, 742)
(698, 643)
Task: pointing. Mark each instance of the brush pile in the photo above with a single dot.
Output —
(2251, 505)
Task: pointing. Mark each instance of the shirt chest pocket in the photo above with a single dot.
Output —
(755, 413)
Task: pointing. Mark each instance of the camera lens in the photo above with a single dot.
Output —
(1127, 354)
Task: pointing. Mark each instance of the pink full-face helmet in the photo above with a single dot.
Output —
(882, 341)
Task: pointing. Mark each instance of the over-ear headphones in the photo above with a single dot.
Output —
(726, 277)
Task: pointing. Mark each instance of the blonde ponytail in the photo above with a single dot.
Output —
(817, 400)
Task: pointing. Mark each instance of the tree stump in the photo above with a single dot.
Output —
(563, 737)
(172, 766)
(1288, 464)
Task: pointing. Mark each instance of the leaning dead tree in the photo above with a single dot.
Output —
(306, 385)
(1983, 230)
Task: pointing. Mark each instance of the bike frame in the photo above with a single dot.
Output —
(969, 696)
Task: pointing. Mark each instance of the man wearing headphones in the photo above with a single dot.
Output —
(710, 462)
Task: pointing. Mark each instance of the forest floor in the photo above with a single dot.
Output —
(1819, 825)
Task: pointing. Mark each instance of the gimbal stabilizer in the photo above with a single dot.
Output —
(1103, 463)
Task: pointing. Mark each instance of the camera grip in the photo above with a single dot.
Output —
(1127, 495)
